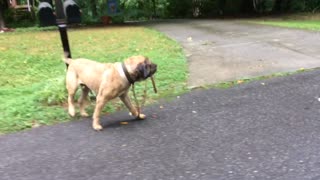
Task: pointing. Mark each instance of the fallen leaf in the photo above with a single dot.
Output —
(124, 123)
(35, 124)
(240, 81)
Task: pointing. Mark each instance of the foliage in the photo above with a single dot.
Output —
(312, 6)
(19, 18)
(32, 76)
(143, 9)
(92, 10)
(182, 8)
(296, 6)
(208, 8)
(263, 6)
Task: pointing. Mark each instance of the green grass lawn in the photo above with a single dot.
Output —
(32, 74)
(300, 24)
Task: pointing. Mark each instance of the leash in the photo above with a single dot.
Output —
(131, 81)
(144, 96)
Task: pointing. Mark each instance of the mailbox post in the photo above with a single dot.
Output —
(62, 25)
(65, 12)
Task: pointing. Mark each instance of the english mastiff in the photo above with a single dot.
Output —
(107, 80)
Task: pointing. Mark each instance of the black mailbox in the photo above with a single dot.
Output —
(46, 15)
(72, 11)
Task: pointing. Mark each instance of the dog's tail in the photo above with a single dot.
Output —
(66, 59)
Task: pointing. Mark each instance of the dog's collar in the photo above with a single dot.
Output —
(125, 70)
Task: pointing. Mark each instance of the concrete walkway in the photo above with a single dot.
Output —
(228, 50)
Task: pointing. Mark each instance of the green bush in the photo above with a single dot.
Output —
(9, 15)
(25, 19)
(313, 6)
(209, 8)
(232, 7)
(117, 19)
(182, 8)
(297, 6)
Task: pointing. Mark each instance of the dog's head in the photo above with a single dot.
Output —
(140, 67)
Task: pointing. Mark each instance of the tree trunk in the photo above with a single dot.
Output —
(154, 8)
(255, 5)
(259, 5)
(94, 8)
(222, 6)
(2, 23)
(14, 3)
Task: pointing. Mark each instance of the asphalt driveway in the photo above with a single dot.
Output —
(262, 130)
(227, 50)
(267, 129)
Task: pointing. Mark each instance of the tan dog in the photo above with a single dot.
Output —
(107, 80)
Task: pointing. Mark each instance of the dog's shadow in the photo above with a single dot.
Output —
(120, 123)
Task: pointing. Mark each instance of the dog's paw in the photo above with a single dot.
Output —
(84, 114)
(72, 112)
(97, 127)
(141, 116)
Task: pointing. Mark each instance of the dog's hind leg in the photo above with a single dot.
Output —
(83, 100)
(72, 85)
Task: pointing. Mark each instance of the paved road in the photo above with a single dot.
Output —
(228, 50)
(262, 130)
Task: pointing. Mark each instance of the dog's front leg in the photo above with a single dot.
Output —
(101, 101)
(126, 100)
